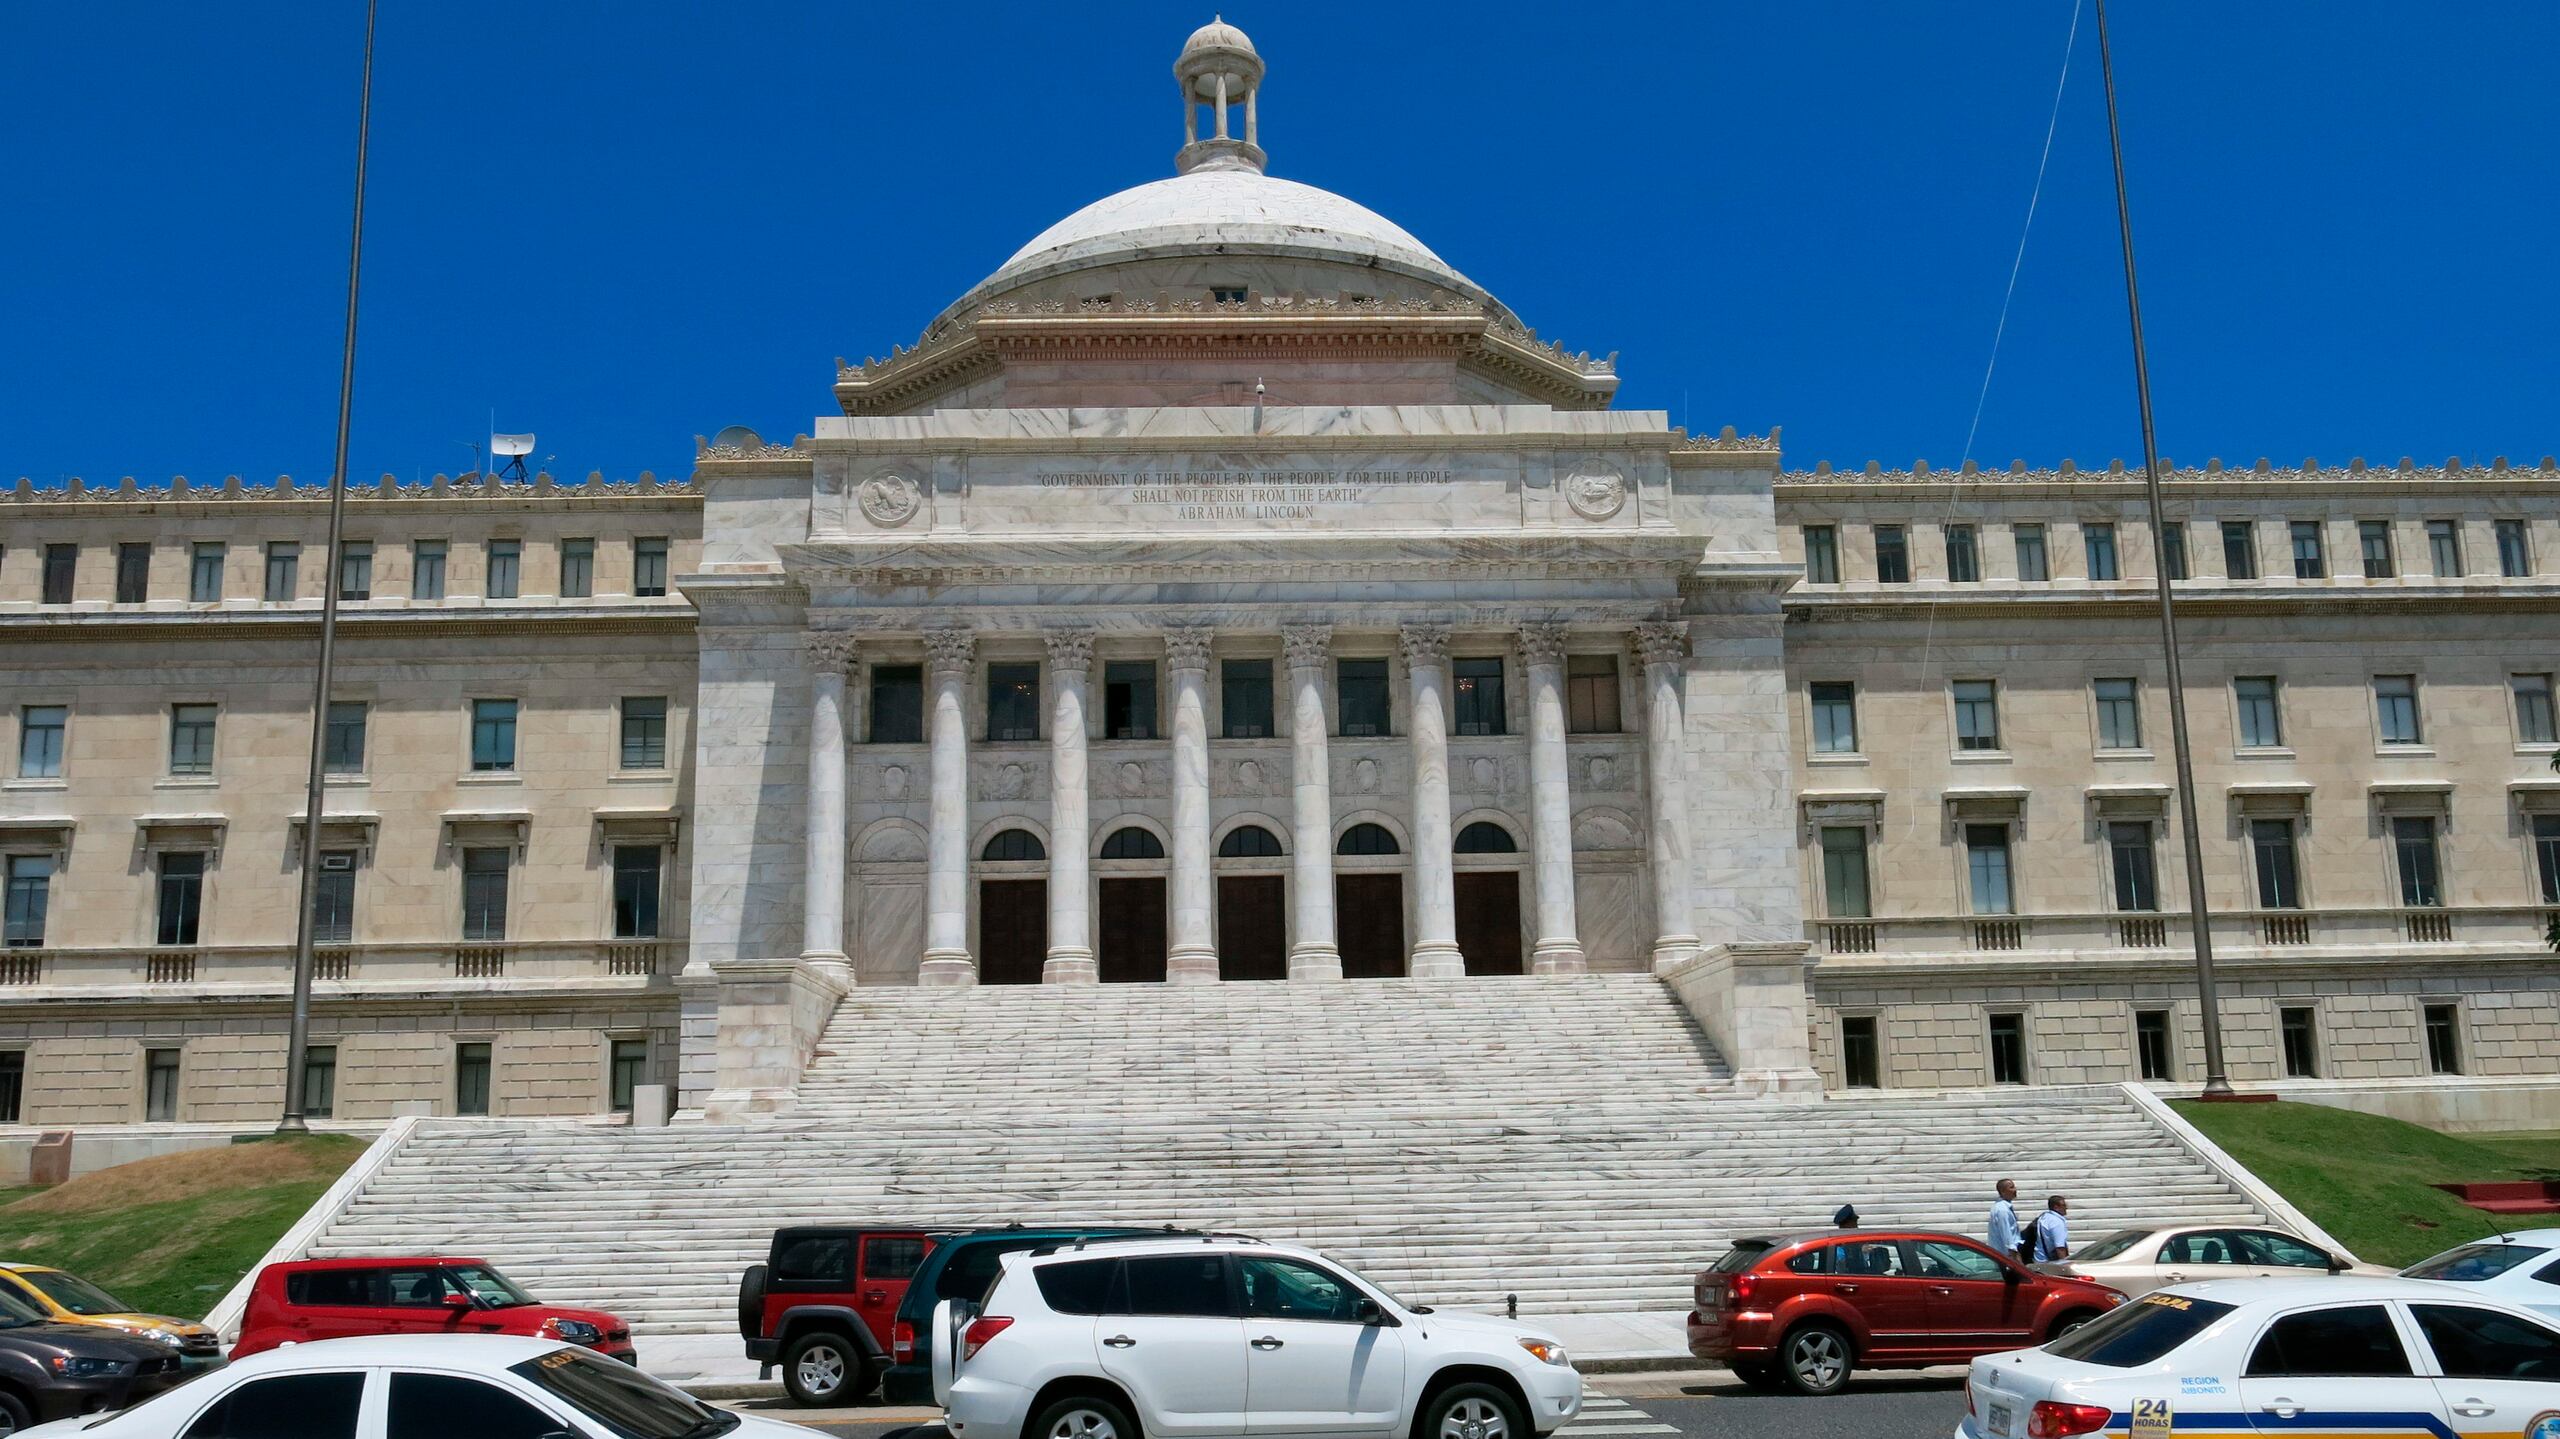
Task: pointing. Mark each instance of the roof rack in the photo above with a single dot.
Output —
(1205, 1236)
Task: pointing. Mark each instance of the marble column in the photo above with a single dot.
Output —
(1665, 648)
(822, 864)
(1558, 949)
(1435, 904)
(951, 656)
(1193, 957)
(1070, 959)
(1313, 953)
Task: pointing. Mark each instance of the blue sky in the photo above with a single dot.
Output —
(625, 225)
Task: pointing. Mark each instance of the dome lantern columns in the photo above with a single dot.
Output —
(1219, 68)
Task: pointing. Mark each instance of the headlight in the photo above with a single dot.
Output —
(73, 1368)
(1547, 1351)
(575, 1331)
(165, 1336)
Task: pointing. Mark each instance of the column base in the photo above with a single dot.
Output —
(1672, 951)
(835, 964)
(1315, 961)
(1194, 965)
(1557, 956)
(1437, 961)
(1070, 965)
(946, 969)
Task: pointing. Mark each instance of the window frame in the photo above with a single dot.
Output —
(1372, 669)
(577, 568)
(495, 763)
(355, 561)
(49, 767)
(58, 580)
(1013, 685)
(1247, 704)
(26, 900)
(625, 1071)
(2544, 707)
(2298, 1021)
(2515, 561)
(2166, 1031)
(2398, 722)
(652, 566)
(638, 913)
(482, 885)
(2447, 1058)
(2021, 1063)
(337, 923)
(894, 682)
(2261, 878)
(2028, 539)
(2098, 551)
(2173, 556)
(1874, 1045)
(206, 559)
(1894, 541)
(1826, 851)
(1594, 702)
(2376, 541)
(283, 570)
(1821, 554)
(2127, 707)
(428, 560)
(190, 766)
(2240, 549)
(1478, 697)
(2309, 542)
(2444, 549)
(2241, 704)
(1964, 553)
(2417, 860)
(1973, 841)
(182, 928)
(1962, 706)
(502, 570)
(636, 728)
(133, 572)
(333, 759)
(1844, 701)
(1132, 704)
(2147, 879)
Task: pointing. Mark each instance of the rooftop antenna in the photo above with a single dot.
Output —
(515, 448)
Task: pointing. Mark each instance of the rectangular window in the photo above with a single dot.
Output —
(191, 739)
(644, 732)
(333, 898)
(1478, 707)
(1013, 702)
(133, 574)
(204, 573)
(1986, 849)
(2240, 549)
(1364, 696)
(355, 570)
(1844, 871)
(630, 1068)
(181, 889)
(1893, 555)
(1977, 715)
(2373, 541)
(2515, 554)
(493, 736)
(30, 896)
(2279, 880)
(2444, 544)
(2395, 704)
(577, 569)
(1964, 557)
(2546, 855)
(897, 704)
(2261, 717)
(2008, 1049)
(160, 1084)
(2444, 1039)
(284, 571)
(2151, 1044)
(484, 893)
(426, 570)
(2098, 542)
(320, 1080)
(1591, 694)
(471, 1077)
(2137, 873)
(2301, 1043)
(13, 1086)
(1128, 700)
(648, 568)
(2119, 714)
(61, 567)
(41, 729)
(2310, 551)
(2173, 553)
(1859, 1062)
(344, 751)
(1821, 555)
(2413, 842)
(506, 568)
(1835, 717)
(2030, 546)
(1244, 698)
(635, 890)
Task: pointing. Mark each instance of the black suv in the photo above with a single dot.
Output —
(60, 1371)
(963, 1266)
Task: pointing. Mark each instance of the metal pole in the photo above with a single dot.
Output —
(2217, 1083)
(315, 794)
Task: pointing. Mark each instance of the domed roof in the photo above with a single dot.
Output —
(1216, 35)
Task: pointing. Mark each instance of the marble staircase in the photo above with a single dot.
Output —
(1573, 1142)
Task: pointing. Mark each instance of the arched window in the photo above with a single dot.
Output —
(1367, 839)
(1485, 837)
(1015, 844)
(1132, 843)
(1249, 841)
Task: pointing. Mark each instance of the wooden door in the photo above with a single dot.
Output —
(1253, 927)
(1132, 948)
(1489, 921)
(1368, 922)
(1013, 930)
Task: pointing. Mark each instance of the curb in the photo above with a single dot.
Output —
(735, 1390)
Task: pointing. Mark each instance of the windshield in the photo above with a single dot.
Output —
(74, 1293)
(2474, 1262)
(492, 1289)
(16, 1309)
(622, 1399)
(1739, 1257)
(2111, 1246)
(2140, 1332)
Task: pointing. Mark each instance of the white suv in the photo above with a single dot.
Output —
(1191, 1338)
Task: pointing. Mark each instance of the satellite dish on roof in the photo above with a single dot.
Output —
(736, 437)
(515, 448)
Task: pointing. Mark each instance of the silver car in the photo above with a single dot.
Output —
(2137, 1261)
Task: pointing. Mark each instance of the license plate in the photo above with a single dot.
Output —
(2003, 1418)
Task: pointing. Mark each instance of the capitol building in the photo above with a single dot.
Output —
(1228, 590)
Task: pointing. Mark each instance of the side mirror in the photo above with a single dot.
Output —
(1367, 1312)
(2337, 1264)
(456, 1299)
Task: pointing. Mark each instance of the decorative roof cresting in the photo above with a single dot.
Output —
(472, 486)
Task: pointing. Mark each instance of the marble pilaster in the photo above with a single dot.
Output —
(1070, 958)
(1558, 949)
(1435, 905)
(951, 657)
(822, 867)
(1664, 647)
(1193, 955)
(1313, 953)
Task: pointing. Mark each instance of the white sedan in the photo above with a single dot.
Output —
(2519, 1268)
(2296, 1356)
(423, 1386)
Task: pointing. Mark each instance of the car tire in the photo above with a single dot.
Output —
(1083, 1416)
(1757, 1376)
(2076, 1319)
(1470, 1411)
(822, 1368)
(751, 1291)
(1816, 1358)
(13, 1414)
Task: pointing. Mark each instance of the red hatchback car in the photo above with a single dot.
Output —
(1803, 1310)
(307, 1299)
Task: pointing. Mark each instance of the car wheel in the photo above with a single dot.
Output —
(1083, 1416)
(821, 1368)
(14, 1415)
(1815, 1359)
(2068, 1322)
(1472, 1411)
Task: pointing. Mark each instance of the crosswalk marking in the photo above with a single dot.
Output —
(1603, 1416)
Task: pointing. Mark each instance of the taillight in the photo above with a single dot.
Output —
(1742, 1285)
(902, 1341)
(2049, 1420)
(988, 1326)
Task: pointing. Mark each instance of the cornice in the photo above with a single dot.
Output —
(2143, 599)
(472, 491)
(58, 626)
(1922, 481)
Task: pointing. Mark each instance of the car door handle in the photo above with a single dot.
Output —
(1940, 1289)
(1844, 1288)
(875, 1296)
(1120, 1341)
(2281, 1408)
(1266, 1342)
(2474, 1409)
(2174, 1277)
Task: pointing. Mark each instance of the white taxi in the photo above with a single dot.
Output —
(2304, 1357)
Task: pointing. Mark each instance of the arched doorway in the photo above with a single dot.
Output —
(1013, 908)
(1129, 931)
(1368, 902)
(1253, 905)
(1486, 886)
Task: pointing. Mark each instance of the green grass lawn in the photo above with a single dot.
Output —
(171, 1235)
(2366, 1179)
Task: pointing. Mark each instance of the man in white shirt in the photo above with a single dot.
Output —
(2053, 1231)
(2004, 1220)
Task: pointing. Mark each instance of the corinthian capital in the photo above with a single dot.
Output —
(1069, 649)
(1542, 643)
(947, 650)
(1187, 648)
(1425, 644)
(828, 650)
(1307, 644)
(1662, 642)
